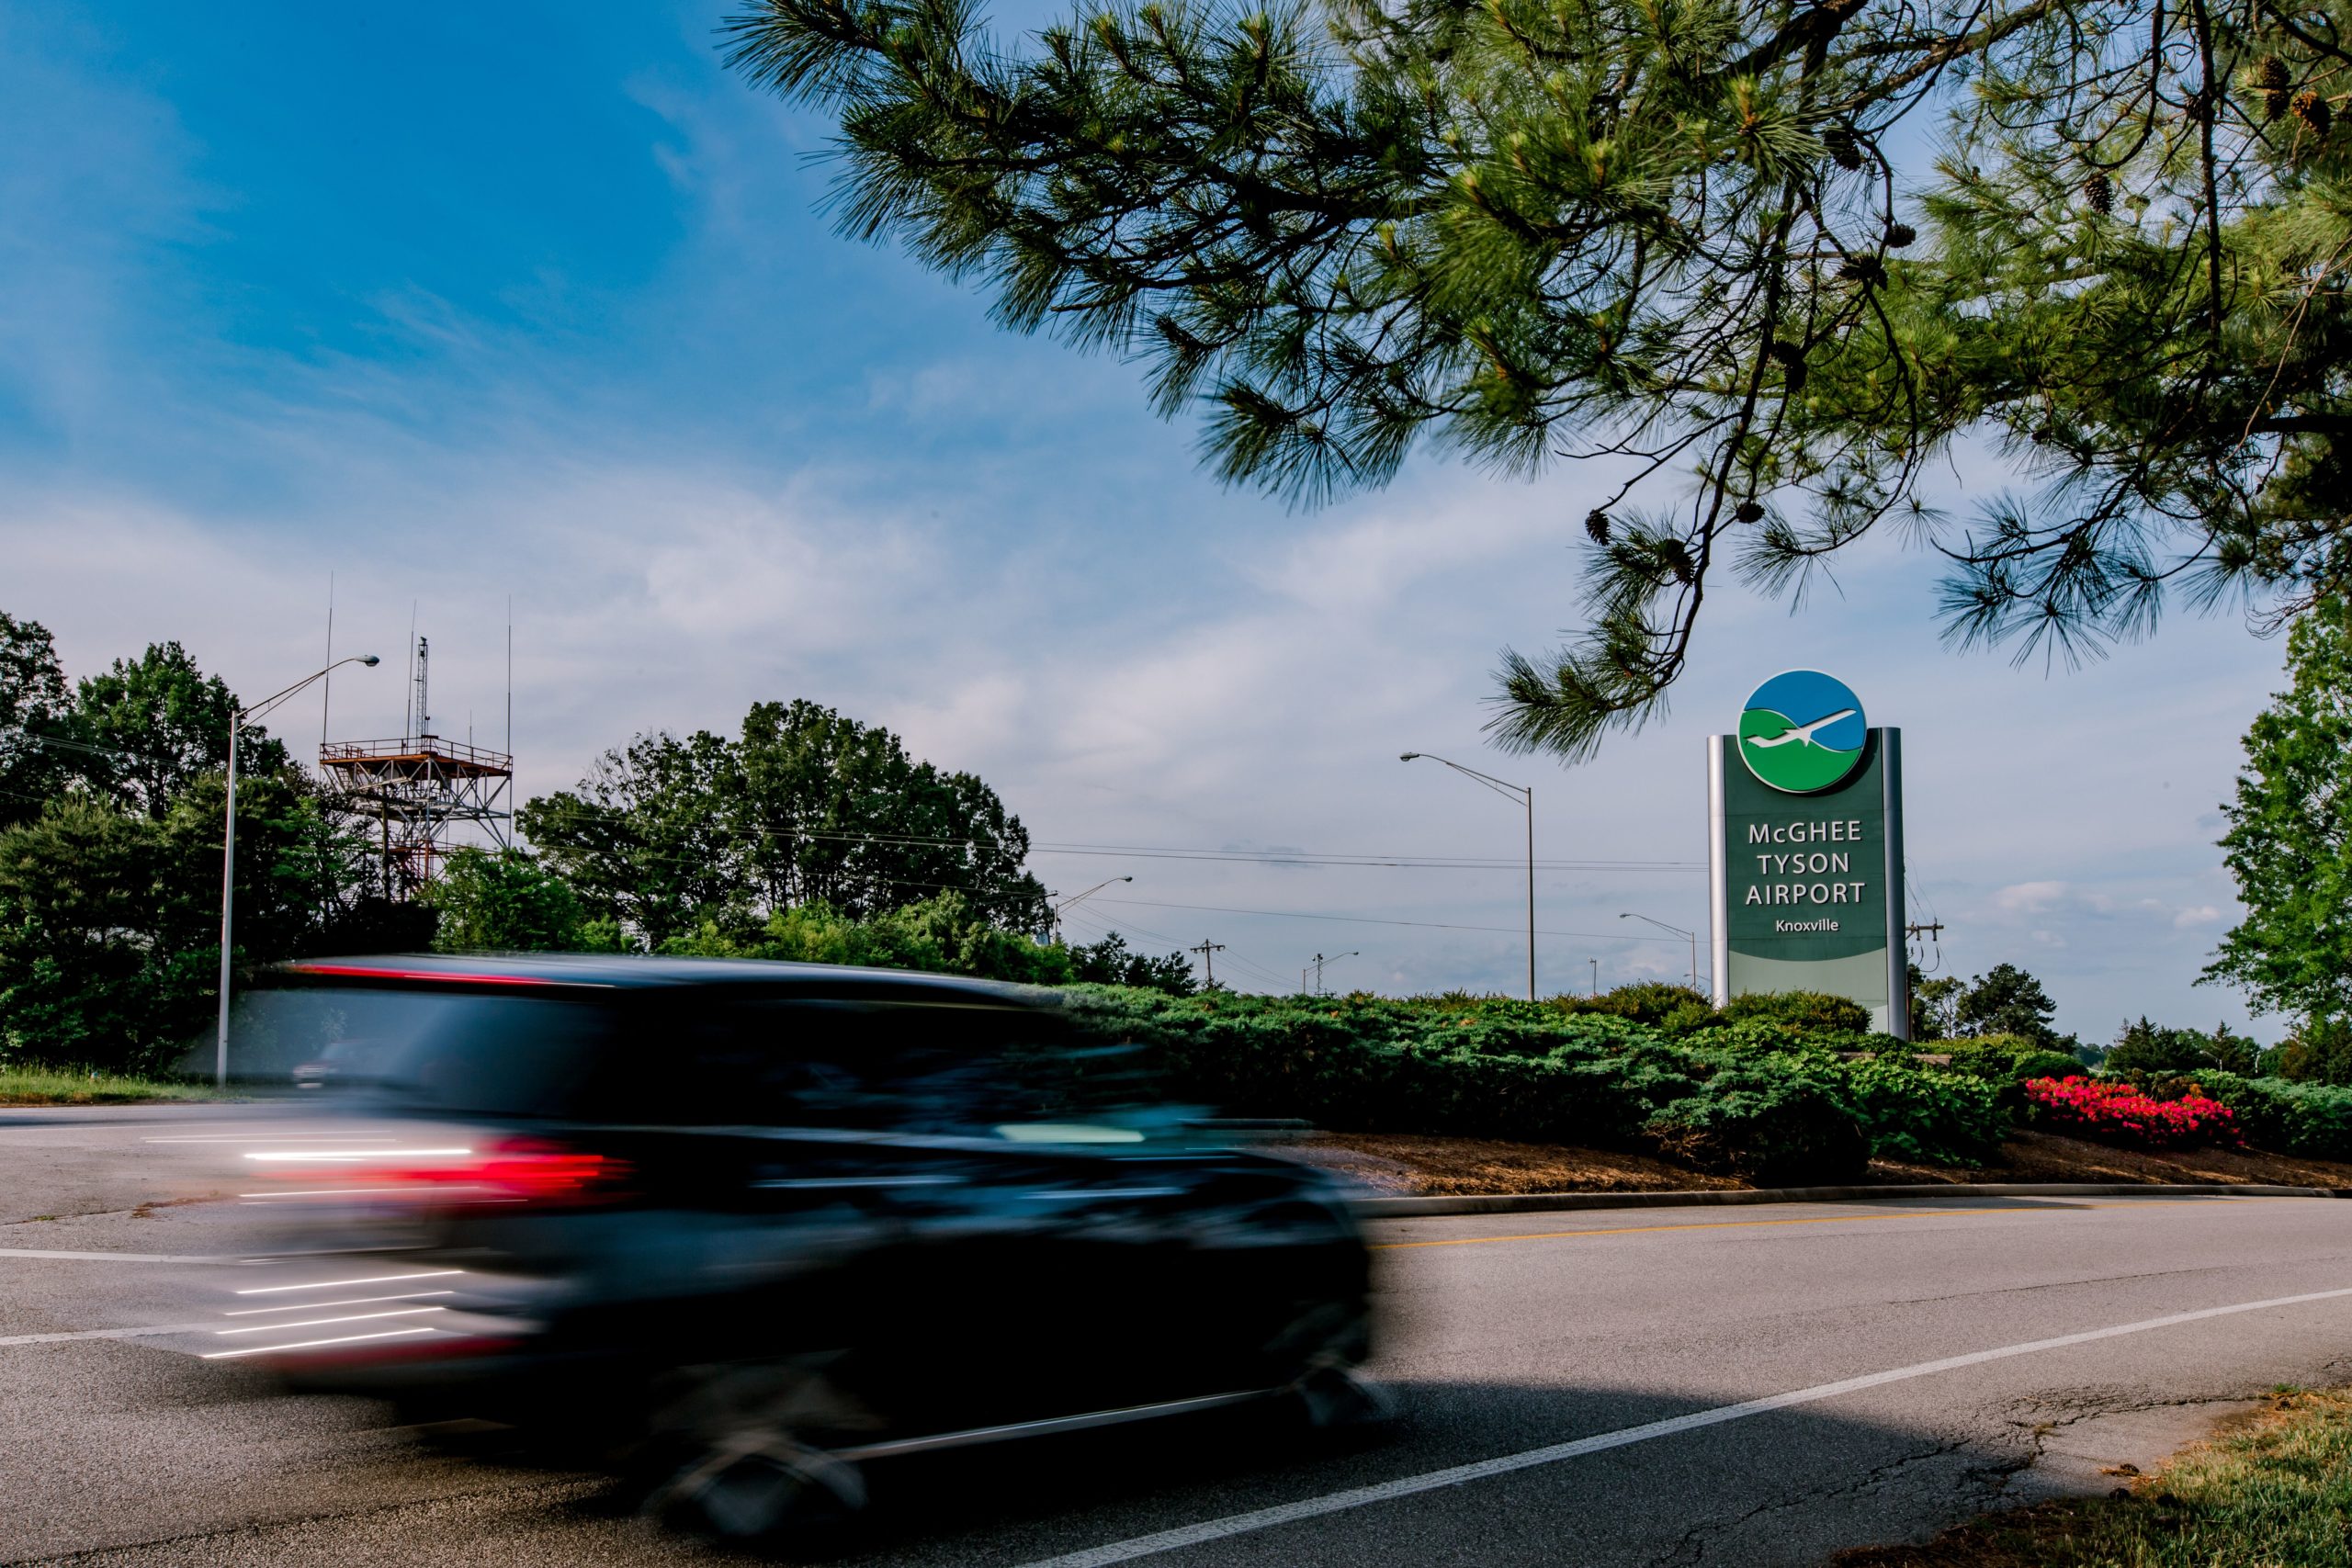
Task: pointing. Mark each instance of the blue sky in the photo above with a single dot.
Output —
(461, 303)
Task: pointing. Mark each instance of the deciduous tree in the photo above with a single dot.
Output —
(2004, 1000)
(36, 711)
(154, 725)
(2290, 838)
(1111, 962)
(503, 901)
(810, 807)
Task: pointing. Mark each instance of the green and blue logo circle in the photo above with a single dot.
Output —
(1803, 732)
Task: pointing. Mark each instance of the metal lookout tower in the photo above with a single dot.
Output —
(422, 790)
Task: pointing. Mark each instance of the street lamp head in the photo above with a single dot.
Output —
(1407, 756)
(369, 659)
(1626, 917)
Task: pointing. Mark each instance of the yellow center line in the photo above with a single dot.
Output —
(2070, 1206)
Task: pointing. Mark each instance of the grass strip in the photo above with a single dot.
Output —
(2274, 1492)
(22, 1085)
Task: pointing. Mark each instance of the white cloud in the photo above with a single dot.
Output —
(2031, 898)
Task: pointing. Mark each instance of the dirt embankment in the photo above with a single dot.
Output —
(1403, 1163)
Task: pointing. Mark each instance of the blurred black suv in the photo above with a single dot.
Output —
(755, 1224)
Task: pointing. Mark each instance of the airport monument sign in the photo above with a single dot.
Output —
(1805, 849)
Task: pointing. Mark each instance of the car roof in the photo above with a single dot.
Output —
(597, 971)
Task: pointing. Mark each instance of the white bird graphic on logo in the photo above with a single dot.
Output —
(1803, 732)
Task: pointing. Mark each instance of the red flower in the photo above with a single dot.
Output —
(2120, 1113)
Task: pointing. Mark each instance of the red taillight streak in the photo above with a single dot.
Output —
(519, 1170)
(365, 972)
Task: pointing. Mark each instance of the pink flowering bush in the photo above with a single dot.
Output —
(2119, 1113)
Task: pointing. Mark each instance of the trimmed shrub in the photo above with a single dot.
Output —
(2307, 1119)
(1670, 1007)
(1816, 1011)
(1771, 1126)
(1911, 1114)
(2008, 1062)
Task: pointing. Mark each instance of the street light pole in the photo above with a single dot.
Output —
(1320, 961)
(229, 850)
(1081, 897)
(1678, 930)
(1525, 796)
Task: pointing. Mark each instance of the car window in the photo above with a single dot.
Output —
(693, 1056)
(461, 1051)
(949, 1067)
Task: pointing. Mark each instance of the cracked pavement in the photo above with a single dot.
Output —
(1514, 1333)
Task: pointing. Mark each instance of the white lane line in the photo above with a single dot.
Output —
(338, 1284)
(1404, 1486)
(322, 1321)
(320, 1306)
(310, 1344)
(106, 1333)
(115, 1256)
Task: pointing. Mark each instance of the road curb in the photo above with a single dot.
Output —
(1542, 1202)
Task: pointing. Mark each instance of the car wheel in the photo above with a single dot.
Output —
(771, 1491)
(734, 1452)
(1333, 1399)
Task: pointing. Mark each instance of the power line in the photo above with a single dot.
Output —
(1401, 860)
(1372, 920)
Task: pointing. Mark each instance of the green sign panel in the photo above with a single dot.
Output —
(1807, 849)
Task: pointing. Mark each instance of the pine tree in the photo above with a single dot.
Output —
(1668, 237)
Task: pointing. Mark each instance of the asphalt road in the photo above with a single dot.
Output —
(1610, 1388)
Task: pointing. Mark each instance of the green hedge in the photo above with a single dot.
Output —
(2005, 1062)
(1770, 1094)
(2310, 1119)
(1758, 1097)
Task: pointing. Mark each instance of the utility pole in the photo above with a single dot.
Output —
(1208, 950)
(1596, 975)
(1934, 929)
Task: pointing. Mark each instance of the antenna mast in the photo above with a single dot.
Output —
(326, 688)
(423, 714)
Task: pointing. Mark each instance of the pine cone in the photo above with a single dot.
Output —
(2100, 191)
(1840, 143)
(1596, 524)
(1749, 511)
(1791, 359)
(2312, 110)
(2270, 75)
(1899, 235)
(1864, 270)
(1677, 561)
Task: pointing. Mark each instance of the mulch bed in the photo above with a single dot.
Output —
(1402, 1164)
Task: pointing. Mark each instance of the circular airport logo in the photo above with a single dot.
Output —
(1803, 732)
